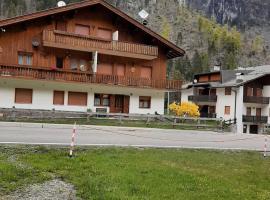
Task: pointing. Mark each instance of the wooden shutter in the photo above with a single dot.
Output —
(249, 91)
(58, 97)
(203, 78)
(146, 72)
(77, 98)
(23, 96)
(105, 68)
(120, 70)
(227, 110)
(82, 29)
(104, 33)
(258, 111)
(259, 92)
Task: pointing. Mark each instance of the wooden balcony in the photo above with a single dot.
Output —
(203, 98)
(65, 40)
(258, 100)
(27, 72)
(255, 119)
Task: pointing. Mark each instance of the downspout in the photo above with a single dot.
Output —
(235, 102)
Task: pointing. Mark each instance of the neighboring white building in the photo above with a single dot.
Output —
(233, 94)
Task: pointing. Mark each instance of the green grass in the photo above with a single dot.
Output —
(129, 173)
(188, 125)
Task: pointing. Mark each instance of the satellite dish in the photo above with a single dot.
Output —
(61, 4)
(83, 68)
(143, 14)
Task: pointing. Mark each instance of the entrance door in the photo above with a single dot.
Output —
(119, 103)
(253, 129)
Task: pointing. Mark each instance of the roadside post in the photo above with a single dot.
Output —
(265, 147)
(72, 140)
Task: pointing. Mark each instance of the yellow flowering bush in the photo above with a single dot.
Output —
(185, 109)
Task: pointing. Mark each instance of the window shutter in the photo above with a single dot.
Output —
(77, 98)
(104, 33)
(105, 68)
(82, 29)
(146, 72)
(23, 96)
(58, 98)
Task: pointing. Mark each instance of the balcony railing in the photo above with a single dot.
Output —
(254, 99)
(65, 40)
(28, 72)
(255, 119)
(203, 98)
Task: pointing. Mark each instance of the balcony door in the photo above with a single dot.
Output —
(248, 111)
(146, 72)
(258, 112)
(213, 92)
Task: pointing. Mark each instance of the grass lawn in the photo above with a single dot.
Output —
(130, 173)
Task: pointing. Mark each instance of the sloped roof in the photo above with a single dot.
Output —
(229, 77)
(175, 51)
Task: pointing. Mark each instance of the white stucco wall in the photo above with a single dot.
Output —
(185, 93)
(225, 100)
(43, 95)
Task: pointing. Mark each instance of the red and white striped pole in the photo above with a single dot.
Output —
(72, 141)
(265, 146)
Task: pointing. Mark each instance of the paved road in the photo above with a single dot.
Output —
(24, 133)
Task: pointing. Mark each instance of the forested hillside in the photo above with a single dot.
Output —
(213, 32)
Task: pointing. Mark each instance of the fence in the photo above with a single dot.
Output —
(144, 120)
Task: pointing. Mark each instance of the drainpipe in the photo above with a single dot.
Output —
(235, 102)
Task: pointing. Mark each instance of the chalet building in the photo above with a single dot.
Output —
(81, 56)
(241, 94)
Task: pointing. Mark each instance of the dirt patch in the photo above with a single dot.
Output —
(50, 190)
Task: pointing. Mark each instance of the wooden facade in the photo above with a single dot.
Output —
(90, 42)
(66, 41)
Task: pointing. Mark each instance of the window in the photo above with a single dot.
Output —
(248, 111)
(104, 33)
(249, 92)
(146, 72)
(78, 64)
(73, 64)
(82, 29)
(25, 58)
(227, 110)
(258, 112)
(105, 68)
(213, 92)
(102, 100)
(58, 97)
(23, 96)
(59, 62)
(77, 98)
(259, 92)
(144, 102)
(228, 91)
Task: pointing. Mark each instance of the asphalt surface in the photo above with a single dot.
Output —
(47, 134)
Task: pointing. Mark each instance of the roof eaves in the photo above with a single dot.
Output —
(82, 4)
